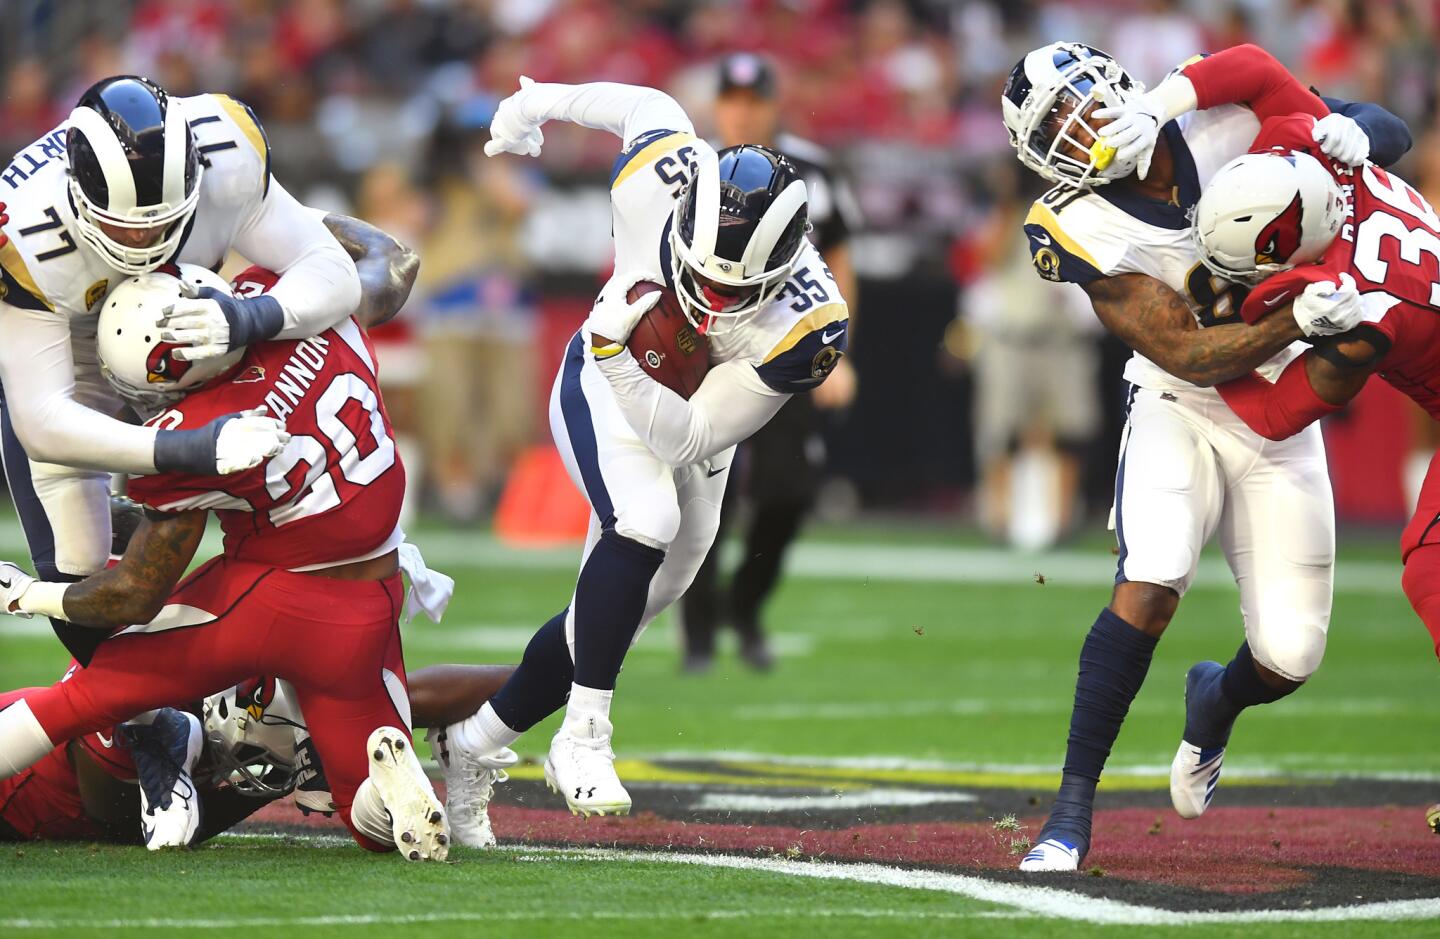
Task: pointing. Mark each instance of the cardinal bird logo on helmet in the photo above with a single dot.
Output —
(1281, 238)
(161, 366)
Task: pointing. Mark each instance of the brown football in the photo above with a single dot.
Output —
(666, 345)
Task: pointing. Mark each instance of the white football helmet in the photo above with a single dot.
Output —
(1045, 105)
(133, 357)
(1266, 212)
(259, 746)
(737, 230)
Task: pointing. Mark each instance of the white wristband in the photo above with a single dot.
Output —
(1173, 97)
(45, 598)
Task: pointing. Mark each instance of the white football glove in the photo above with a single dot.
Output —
(1342, 140)
(613, 316)
(198, 324)
(1327, 310)
(13, 584)
(246, 440)
(1133, 129)
(510, 130)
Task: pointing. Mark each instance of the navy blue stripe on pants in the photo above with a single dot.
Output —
(1120, 491)
(580, 427)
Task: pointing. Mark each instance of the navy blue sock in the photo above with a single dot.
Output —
(1243, 685)
(610, 600)
(540, 683)
(1113, 663)
(1216, 699)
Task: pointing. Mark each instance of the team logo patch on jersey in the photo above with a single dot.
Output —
(1278, 240)
(251, 375)
(1047, 264)
(161, 366)
(824, 362)
(96, 293)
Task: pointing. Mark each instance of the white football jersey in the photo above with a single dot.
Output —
(1078, 236)
(795, 340)
(46, 265)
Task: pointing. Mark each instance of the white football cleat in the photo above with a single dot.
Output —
(470, 780)
(165, 752)
(1052, 854)
(581, 767)
(1193, 776)
(417, 818)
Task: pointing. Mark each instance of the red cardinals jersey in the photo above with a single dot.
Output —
(1390, 244)
(333, 494)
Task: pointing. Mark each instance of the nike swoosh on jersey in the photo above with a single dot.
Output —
(829, 337)
(1041, 239)
(1270, 303)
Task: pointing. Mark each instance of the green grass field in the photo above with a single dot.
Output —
(907, 645)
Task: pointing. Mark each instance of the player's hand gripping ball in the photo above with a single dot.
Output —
(666, 345)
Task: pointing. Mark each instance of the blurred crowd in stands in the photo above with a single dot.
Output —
(380, 107)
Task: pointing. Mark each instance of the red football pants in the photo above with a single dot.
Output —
(336, 641)
(1420, 548)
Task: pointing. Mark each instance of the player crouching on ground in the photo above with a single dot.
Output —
(257, 751)
(726, 235)
(308, 588)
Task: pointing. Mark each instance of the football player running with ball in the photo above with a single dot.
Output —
(131, 180)
(1129, 166)
(726, 233)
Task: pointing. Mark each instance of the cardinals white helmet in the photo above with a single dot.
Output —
(259, 746)
(134, 359)
(1267, 212)
(1046, 103)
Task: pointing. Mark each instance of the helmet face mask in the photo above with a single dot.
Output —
(252, 733)
(1047, 106)
(133, 167)
(137, 363)
(739, 226)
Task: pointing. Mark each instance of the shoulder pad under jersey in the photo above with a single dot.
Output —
(1073, 237)
(230, 137)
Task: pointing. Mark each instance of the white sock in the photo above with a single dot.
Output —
(369, 815)
(22, 740)
(586, 703)
(483, 732)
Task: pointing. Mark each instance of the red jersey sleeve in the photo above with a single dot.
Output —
(1280, 410)
(1251, 76)
(1289, 132)
(1279, 289)
(179, 492)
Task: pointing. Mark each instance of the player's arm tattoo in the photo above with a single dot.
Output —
(134, 590)
(1155, 321)
(387, 268)
(1339, 366)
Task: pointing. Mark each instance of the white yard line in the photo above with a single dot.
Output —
(883, 710)
(1022, 900)
(1038, 901)
(499, 916)
(1306, 770)
(826, 802)
(857, 562)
